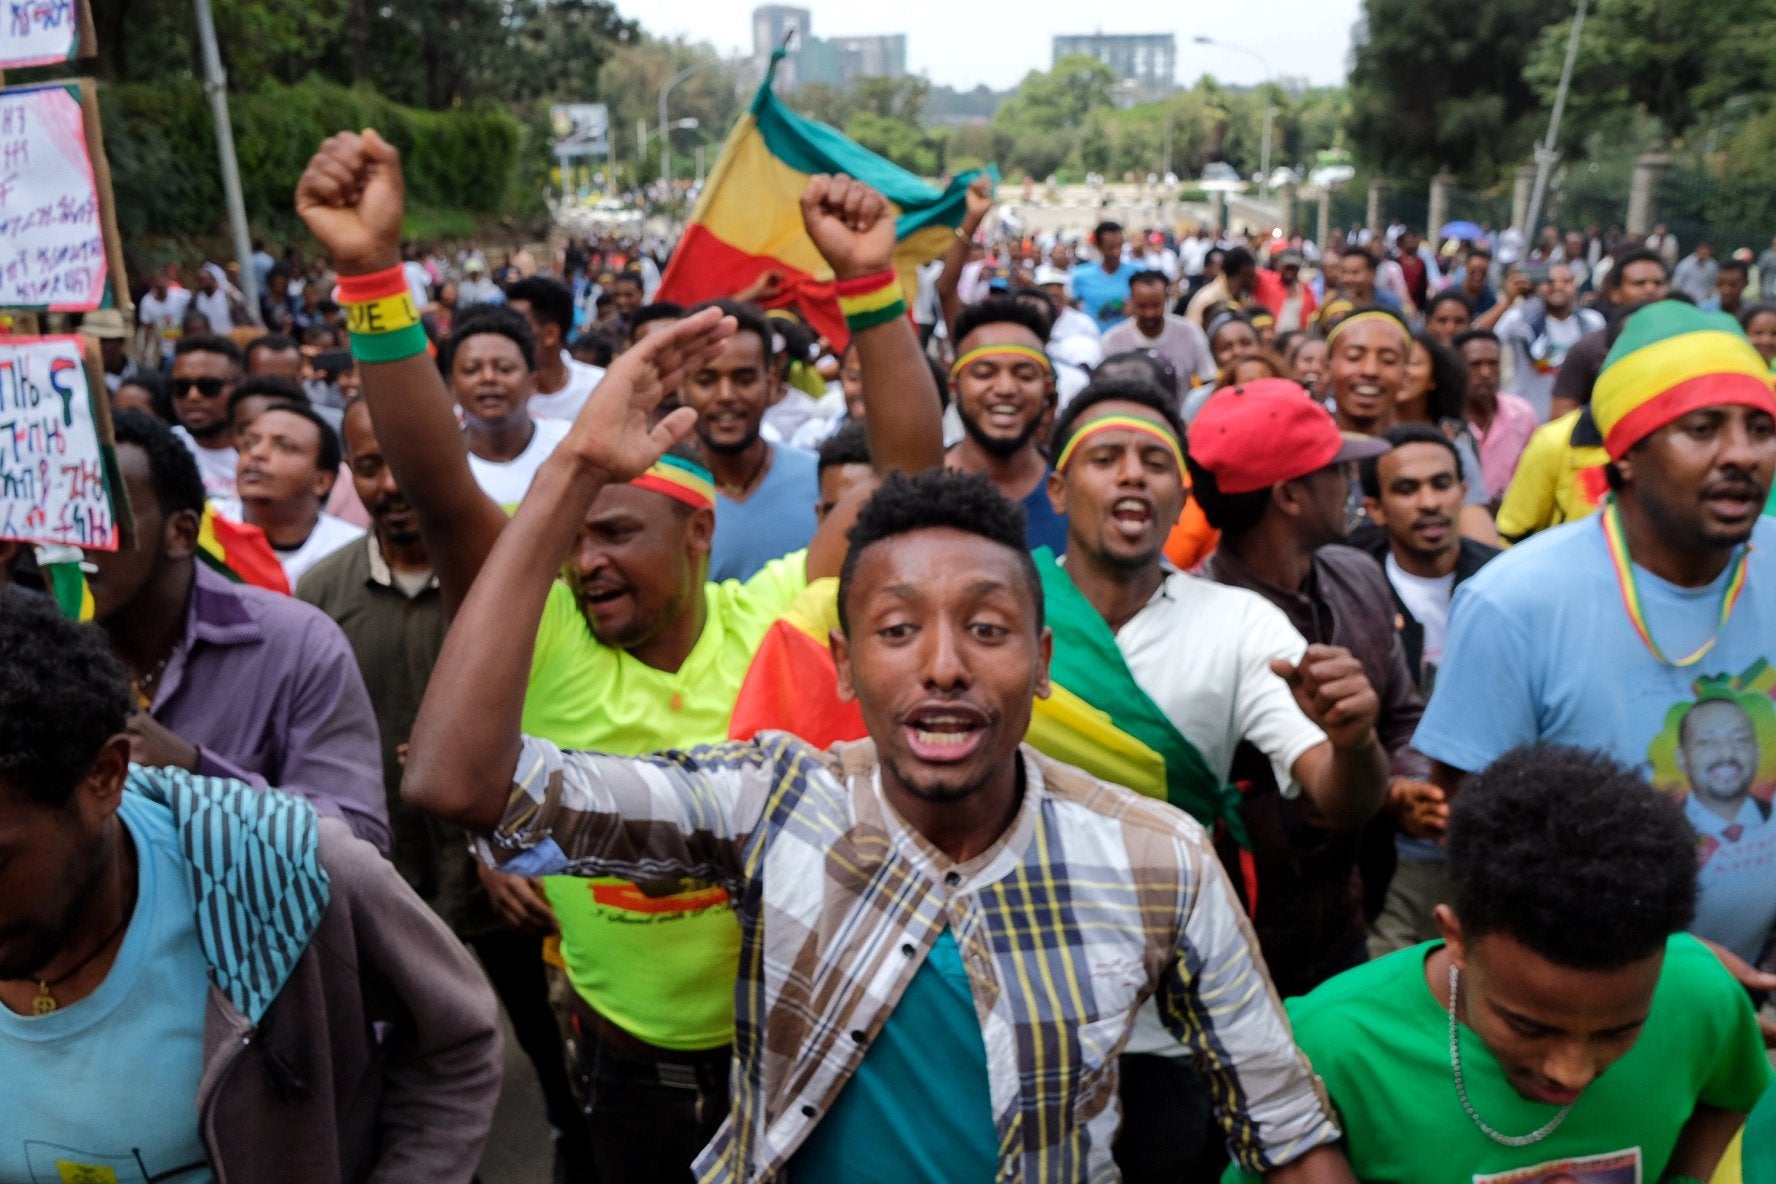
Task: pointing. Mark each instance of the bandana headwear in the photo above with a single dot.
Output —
(987, 351)
(1127, 423)
(1671, 359)
(1370, 317)
(683, 480)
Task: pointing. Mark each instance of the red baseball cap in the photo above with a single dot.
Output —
(1257, 434)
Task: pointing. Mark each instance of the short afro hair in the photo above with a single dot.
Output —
(551, 301)
(493, 319)
(1000, 310)
(171, 468)
(749, 318)
(328, 454)
(265, 386)
(63, 694)
(1622, 857)
(210, 343)
(938, 498)
(1140, 391)
(659, 310)
(1448, 296)
(1401, 434)
(847, 446)
(1233, 514)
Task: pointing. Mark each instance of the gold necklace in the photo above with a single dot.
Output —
(45, 1002)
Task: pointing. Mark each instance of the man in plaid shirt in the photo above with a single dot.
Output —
(946, 935)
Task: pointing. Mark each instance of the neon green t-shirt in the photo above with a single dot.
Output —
(1379, 1039)
(659, 959)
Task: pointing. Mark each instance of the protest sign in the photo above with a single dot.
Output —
(45, 32)
(58, 467)
(59, 250)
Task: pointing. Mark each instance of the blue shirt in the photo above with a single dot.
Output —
(1540, 647)
(1044, 526)
(112, 1078)
(918, 1108)
(776, 519)
(1103, 295)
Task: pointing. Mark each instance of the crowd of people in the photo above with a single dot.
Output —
(1156, 707)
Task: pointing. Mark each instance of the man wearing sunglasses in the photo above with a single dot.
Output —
(205, 372)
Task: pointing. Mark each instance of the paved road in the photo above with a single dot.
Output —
(518, 1151)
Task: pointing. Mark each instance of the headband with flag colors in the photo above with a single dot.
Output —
(1112, 423)
(1369, 317)
(749, 219)
(989, 351)
(680, 479)
(1671, 359)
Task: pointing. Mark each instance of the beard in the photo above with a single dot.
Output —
(999, 446)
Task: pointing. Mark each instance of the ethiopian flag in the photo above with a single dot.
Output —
(749, 219)
(1096, 716)
(239, 551)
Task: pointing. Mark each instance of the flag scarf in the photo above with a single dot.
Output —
(749, 219)
(239, 552)
(1096, 717)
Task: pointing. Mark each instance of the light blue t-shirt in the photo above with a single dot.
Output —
(778, 518)
(919, 1109)
(112, 1078)
(1103, 295)
(1540, 647)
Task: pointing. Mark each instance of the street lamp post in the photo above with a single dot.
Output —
(666, 139)
(1269, 107)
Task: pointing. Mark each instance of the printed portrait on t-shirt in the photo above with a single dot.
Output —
(1718, 749)
(1615, 1167)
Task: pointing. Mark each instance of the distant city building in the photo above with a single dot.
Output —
(1147, 61)
(835, 62)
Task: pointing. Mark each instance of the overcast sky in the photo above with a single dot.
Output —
(962, 44)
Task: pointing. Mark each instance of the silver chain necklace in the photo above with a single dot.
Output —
(1461, 1089)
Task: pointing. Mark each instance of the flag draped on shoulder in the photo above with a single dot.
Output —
(239, 551)
(749, 221)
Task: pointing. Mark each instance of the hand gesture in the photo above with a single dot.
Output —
(352, 196)
(613, 431)
(851, 224)
(1334, 693)
(980, 202)
(1419, 809)
(517, 900)
(153, 743)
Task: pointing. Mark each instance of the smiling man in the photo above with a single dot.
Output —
(1562, 1024)
(490, 362)
(205, 371)
(1597, 632)
(887, 1027)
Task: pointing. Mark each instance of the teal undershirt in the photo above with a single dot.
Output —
(918, 1108)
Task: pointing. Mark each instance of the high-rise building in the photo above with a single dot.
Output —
(772, 22)
(882, 55)
(1145, 60)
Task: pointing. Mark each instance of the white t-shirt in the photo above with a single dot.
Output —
(1427, 599)
(328, 535)
(165, 316)
(1070, 322)
(215, 465)
(215, 307)
(506, 482)
(565, 403)
(1202, 652)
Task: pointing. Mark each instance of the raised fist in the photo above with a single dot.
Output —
(352, 196)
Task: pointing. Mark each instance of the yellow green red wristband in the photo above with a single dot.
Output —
(390, 347)
(870, 300)
(390, 314)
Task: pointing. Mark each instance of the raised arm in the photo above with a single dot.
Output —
(466, 740)
(353, 196)
(980, 203)
(852, 225)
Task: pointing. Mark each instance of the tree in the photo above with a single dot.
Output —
(1439, 84)
(1061, 98)
(1677, 63)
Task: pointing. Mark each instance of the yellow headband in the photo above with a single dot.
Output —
(1129, 423)
(985, 351)
(1367, 318)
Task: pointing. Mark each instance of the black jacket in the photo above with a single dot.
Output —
(1473, 557)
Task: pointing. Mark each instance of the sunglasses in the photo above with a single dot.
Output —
(209, 388)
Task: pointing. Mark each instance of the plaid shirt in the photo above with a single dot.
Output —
(1093, 900)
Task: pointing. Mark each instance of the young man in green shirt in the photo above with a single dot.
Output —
(1566, 1024)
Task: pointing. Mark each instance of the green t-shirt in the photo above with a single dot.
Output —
(1379, 1039)
(659, 959)
(919, 1107)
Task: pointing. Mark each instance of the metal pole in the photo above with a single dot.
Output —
(666, 132)
(1547, 154)
(1264, 152)
(1269, 107)
(216, 86)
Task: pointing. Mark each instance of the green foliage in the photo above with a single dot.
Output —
(1439, 84)
(162, 149)
(899, 141)
(1678, 63)
(1064, 97)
